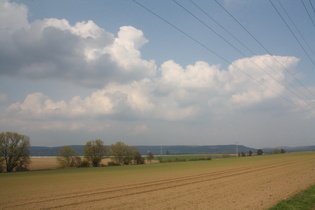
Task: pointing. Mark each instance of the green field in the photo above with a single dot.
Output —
(179, 157)
(302, 201)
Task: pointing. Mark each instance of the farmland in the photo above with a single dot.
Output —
(234, 183)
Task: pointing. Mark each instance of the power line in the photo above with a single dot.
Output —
(308, 12)
(195, 40)
(222, 27)
(224, 59)
(235, 48)
(292, 32)
(312, 5)
(264, 48)
(296, 28)
(288, 82)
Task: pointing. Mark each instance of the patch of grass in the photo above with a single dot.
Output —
(180, 157)
(302, 201)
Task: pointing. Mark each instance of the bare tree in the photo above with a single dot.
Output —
(14, 151)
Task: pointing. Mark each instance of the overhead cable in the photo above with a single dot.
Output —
(296, 28)
(312, 5)
(250, 59)
(308, 12)
(265, 48)
(292, 32)
(224, 59)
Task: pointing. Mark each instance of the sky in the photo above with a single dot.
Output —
(191, 72)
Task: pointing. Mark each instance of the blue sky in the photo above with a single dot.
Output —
(73, 71)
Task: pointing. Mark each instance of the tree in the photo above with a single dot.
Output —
(123, 154)
(14, 152)
(138, 158)
(260, 152)
(283, 151)
(67, 158)
(276, 151)
(94, 151)
(243, 154)
(250, 153)
(150, 156)
(1, 164)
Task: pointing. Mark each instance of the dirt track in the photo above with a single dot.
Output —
(246, 187)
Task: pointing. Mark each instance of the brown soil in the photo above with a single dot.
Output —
(42, 163)
(248, 186)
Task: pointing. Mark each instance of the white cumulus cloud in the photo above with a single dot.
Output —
(179, 94)
(83, 53)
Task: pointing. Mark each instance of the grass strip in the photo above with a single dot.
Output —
(302, 201)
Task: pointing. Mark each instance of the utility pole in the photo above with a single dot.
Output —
(161, 151)
(236, 144)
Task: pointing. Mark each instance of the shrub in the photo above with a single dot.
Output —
(138, 159)
(113, 163)
(209, 157)
(21, 168)
(180, 160)
(198, 159)
(84, 163)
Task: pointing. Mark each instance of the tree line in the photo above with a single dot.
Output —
(15, 154)
(94, 151)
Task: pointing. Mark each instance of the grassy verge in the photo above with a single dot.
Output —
(302, 201)
(181, 158)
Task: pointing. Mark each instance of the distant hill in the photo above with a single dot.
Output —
(291, 149)
(52, 151)
(174, 150)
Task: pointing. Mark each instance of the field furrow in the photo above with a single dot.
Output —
(247, 186)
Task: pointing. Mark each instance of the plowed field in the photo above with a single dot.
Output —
(236, 183)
